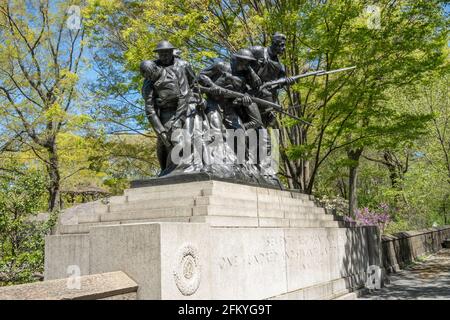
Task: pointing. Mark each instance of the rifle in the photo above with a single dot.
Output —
(283, 81)
(271, 105)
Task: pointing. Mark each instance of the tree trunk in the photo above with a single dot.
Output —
(54, 177)
(306, 173)
(396, 174)
(354, 156)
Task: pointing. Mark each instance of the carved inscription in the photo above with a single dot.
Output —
(305, 250)
(259, 258)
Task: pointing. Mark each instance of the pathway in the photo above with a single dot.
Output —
(429, 279)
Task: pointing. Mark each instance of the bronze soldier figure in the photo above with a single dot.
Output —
(237, 76)
(171, 106)
(235, 113)
(241, 97)
(161, 93)
(268, 67)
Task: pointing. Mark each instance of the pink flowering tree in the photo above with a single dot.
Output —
(372, 217)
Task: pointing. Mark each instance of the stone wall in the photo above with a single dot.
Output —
(104, 286)
(403, 248)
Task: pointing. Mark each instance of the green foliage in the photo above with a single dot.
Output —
(408, 170)
(300, 151)
(40, 58)
(124, 157)
(21, 235)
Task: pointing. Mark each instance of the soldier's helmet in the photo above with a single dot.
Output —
(164, 45)
(278, 37)
(258, 52)
(244, 54)
(147, 67)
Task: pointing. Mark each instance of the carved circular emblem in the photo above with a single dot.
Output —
(187, 272)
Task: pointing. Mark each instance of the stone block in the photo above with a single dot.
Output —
(65, 254)
(167, 260)
(247, 264)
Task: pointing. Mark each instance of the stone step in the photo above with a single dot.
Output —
(186, 212)
(271, 198)
(160, 195)
(305, 223)
(81, 228)
(226, 210)
(216, 221)
(284, 195)
(235, 194)
(225, 201)
(193, 192)
(169, 188)
(222, 210)
(259, 193)
(288, 207)
(186, 206)
(298, 223)
(256, 197)
(215, 187)
(299, 195)
(235, 203)
(147, 214)
(227, 221)
(85, 227)
(207, 210)
(312, 213)
(273, 223)
(84, 208)
(153, 204)
(309, 216)
(249, 203)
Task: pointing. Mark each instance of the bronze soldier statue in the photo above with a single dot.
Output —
(170, 104)
(241, 96)
(235, 113)
(269, 67)
(237, 76)
(161, 93)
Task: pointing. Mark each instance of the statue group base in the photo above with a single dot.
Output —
(212, 239)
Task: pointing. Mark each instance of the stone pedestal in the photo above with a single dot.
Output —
(215, 240)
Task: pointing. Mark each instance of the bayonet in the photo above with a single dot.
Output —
(283, 81)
